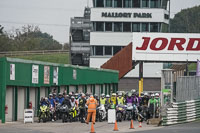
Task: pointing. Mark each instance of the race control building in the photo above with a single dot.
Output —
(114, 21)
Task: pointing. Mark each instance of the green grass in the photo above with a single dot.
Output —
(192, 66)
(53, 58)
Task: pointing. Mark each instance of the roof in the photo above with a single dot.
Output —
(56, 64)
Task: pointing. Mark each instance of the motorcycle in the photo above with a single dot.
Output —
(129, 111)
(73, 114)
(139, 114)
(102, 113)
(57, 111)
(43, 113)
(120, 112)
(52, 113)
(64, 111)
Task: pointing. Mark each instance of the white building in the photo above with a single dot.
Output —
(113, 24)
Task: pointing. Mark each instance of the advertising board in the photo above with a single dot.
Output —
(172, 47)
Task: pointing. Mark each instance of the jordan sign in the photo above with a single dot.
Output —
(172, 47)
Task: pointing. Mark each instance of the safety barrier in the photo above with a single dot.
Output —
(182, 112)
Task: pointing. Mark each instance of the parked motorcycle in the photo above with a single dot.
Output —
(57, 111)
(129, 111)
(139, 114)
(43, 113)
(120, 112)
(52, 113)
(102, 113)
(64, 110)
(73, 114)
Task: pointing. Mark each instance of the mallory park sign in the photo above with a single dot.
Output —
(125, 15)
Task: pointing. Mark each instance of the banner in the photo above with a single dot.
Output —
(12, 71)
(35, 73)
(160, 47)
(46, 74)
(74, 74)
(198, 68)
(55, 75)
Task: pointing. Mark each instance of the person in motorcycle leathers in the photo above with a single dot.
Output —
(70, 95)
(102, 99)
(157, 97)
(144, 102)
(66, 101)
(43, 102)
(76, 98)
(52, 103)
(152, 105)
(73, 102)
(130, 101)
(120, 99)
(113, 100)
(81, 105)
(60, 98)
(97, 98)
(51, 100)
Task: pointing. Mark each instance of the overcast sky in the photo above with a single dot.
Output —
(53, 16)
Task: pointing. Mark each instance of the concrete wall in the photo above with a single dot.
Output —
(33, 97)
(80, 89)
(42, 91)
(62, 88)
(89, 90)
(98, 90)
(21, 102)
(72, 88)
(9, 103)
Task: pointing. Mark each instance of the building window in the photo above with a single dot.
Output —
(99, 26)
(109, 3)
(127, 27)
(136, 3)
(154, 27)
(155, 3)
(145, 27)
(145, 3)
(108, 26)
(108, 50)
(127, 3)
(117, 3)
(116, 49)
(117, 26)
(99, 3)
(99, 50)
(136, 27)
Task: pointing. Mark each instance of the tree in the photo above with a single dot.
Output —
(1, 30)
(31, 38)
(66, 46)
(186, 21)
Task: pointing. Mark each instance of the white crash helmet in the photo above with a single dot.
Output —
(102, 95)
(157, 95)
(107, 96)
(146, 94)
(152, 95)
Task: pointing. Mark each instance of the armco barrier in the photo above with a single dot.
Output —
(182, 112)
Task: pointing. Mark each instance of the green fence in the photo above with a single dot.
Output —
(182, 112)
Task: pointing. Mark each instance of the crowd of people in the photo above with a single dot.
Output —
(76, 107)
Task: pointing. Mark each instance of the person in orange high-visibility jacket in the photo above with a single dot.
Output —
(92, 104)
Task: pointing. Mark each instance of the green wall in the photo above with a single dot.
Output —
(67, 75)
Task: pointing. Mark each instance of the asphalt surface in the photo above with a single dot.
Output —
(100, 127)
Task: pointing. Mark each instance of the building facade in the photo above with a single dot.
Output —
(80, 39)
(114, 21)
